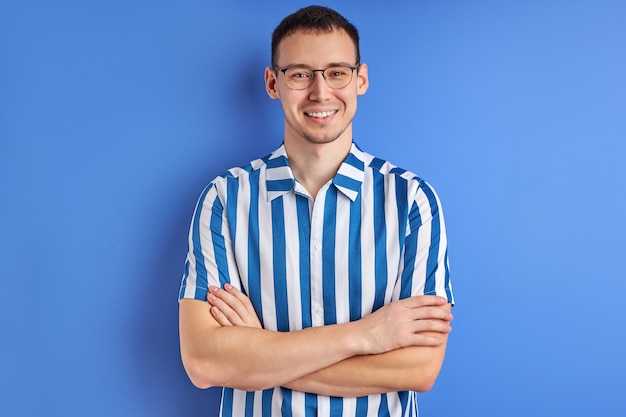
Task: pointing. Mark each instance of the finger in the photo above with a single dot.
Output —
(424, 300)
(425, 313)
(426, 340)
(225, 310)
(229, 299)
(241, 297)
(220, 317)
(235, 305)
(436, 326)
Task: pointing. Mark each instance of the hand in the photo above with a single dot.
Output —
(408, 322)
(230, 307)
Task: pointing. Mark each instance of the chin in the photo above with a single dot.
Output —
(322, 138)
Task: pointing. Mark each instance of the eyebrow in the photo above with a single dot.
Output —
(331, 64)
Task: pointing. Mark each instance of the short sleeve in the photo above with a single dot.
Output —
(210, 250)
(426, 269)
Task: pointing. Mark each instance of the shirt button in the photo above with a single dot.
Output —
(318, 311)
(318, 246)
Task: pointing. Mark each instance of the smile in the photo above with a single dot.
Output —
(321, 114)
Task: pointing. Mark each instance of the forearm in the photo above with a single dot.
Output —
(411, 368)
(315, 359)
(253, 359)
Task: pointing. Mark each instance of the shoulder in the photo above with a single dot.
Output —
(243, 171)
(417, 189)
(217, 189)
(389, 170)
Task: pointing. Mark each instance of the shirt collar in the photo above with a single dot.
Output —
(280, 179)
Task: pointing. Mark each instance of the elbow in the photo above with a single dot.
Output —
(199, 376)
(199, 371)
(203, 375)
(424, 386)
(425, 379)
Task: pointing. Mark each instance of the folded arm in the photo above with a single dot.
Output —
(414, 368)
(251, 358)
(420, 325)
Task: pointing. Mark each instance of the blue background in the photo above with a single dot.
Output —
(115, 114)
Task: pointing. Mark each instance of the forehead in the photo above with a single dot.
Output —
(316, 49)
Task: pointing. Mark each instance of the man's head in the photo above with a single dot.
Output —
(314, 19)
(316, 75)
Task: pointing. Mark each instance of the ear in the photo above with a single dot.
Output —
(271, 83)
(362, 79)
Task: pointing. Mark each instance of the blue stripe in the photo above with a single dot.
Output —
(383, 409)
(355, 283)
(336, 406)
(285, 407)
(380, 241)
(201, 274)
(435, 234)
(266, 402)
(397, 171)
(406, 281)
(277, 162)
(346, 182)
(310, 404)
(403, 208)
(361, 406)
(404, 399)
(351, 159)
(447, 278)
(279, 253)
(410, 252)
(183, 285)
(249, 410)
(219, 244)
(232, 192)
(227, 402)
(328, 256)
(304, 241)
(280, 185)
(254, 262)
(377, 164)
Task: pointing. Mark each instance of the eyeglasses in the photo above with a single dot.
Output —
(336, 76)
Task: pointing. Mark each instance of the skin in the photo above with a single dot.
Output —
(317, 146)
(360, 375)
(399, 347)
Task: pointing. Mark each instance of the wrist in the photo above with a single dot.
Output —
(355, 340)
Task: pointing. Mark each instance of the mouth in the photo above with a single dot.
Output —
(321, 114)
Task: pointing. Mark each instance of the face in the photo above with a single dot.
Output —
(317, 114)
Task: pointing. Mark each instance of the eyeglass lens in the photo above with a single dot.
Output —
(336, 77)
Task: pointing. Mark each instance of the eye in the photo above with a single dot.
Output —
(298, 74)
(336, 72)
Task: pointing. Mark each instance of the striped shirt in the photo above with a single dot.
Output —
(374, 234)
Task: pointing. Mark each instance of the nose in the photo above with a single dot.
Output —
(319, 90)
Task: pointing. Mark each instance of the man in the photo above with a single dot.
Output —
(316, 282)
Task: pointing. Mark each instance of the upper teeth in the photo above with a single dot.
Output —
(321, 114)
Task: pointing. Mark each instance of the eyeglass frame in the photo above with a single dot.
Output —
(285, 69)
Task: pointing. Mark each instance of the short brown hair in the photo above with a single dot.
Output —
(313, 18)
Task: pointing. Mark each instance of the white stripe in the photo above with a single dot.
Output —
(342, 291)
(241, 239)
(367, 246)
(267, 268)
(393, 243)
(292, 258)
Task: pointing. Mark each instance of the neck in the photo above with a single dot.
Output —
(313, 164)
